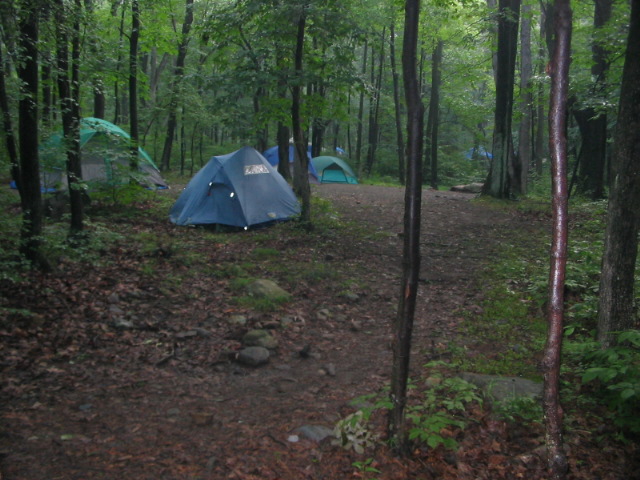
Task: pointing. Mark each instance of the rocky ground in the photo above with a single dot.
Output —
(123, 374)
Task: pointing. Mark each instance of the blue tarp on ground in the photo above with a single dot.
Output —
(240, 189)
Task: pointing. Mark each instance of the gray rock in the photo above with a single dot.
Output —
(316, 433)
(324, 314)
(115, 310)
(239, 320)
(254, 356)
(330, 369)
(186, 334)
(122, 324)
(267, 289)
(259, 338)
(351, 296)
(500, 388)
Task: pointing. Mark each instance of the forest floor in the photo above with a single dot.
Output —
(124, 367)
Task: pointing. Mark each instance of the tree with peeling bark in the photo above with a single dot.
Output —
(616, 302)
(403, 324)
(559, 71)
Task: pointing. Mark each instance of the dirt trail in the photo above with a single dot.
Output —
(184, 418)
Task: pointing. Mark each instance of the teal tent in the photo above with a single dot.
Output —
(334, 170)
(105, 156)
(240, 189)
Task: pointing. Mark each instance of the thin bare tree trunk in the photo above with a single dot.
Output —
(403, 324)
(431, 153)
(526, 98)
(396, 102)
(133, 82)
(178, 73)
(361, 113)
(559, 71)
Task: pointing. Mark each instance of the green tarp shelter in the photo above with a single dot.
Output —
(333, 170)
(105, 154)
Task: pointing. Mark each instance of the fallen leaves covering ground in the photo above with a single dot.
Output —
(86, 396)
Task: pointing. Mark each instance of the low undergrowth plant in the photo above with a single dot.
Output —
(441, 409)
(437, 409)
(614, 374)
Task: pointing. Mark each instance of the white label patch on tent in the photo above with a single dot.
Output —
(255, 169)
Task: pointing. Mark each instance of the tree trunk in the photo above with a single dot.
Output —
(178, 73)
(283, 151)
(361, 112)
(526, 98)
(559, 71)
(9, 137)
(301, 161)
(396, 102)
(30, 193)
(503, 179)
(282, 133)
(616, 309)
(403, 324)
(45, 73)
(539, 154)
(431, 153)
(133, 82)
(75, 166)
(374, 106)
(593, 124)
(117, 114)
(99, 99)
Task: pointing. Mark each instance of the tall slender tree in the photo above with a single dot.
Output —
(559, 71)
(178, 73)
(68, 78)
(396, 103)
(616, 302)
(133, 82)
(30, 194)
(403, 324)
(526, 98)
(433, 120)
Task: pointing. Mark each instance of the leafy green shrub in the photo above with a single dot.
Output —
(519, 410)
(441, 409)
(615, 372)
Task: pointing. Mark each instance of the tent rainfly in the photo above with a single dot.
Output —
(334, 170)
(240, 189)
(105, 157)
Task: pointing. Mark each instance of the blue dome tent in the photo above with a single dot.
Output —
(240, 189)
